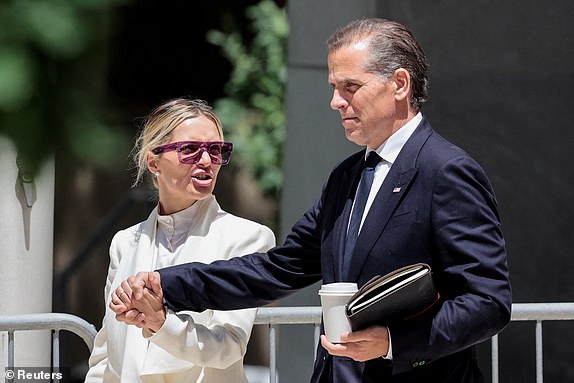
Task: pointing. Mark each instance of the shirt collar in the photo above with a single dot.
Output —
(391, 148)
(180, 221)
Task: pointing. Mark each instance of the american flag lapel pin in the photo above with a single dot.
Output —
(396, 190)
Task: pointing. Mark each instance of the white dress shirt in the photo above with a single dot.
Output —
(388, 152)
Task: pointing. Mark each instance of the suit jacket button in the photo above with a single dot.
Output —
(415, 364)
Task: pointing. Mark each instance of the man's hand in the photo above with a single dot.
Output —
(151, 302)
(361, 346)
(147, 279)
(139, 301)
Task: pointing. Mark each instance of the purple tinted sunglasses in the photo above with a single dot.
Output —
(190, 152)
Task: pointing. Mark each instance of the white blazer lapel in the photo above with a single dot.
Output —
(138, 257)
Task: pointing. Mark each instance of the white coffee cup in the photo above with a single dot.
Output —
(334, 297)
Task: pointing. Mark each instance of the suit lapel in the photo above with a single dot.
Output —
(385, 203)
(349, 182)
(392, 191)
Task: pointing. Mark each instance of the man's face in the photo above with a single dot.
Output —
(364, 100)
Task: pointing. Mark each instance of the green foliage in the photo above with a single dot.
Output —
(253, 110)
(52, 62)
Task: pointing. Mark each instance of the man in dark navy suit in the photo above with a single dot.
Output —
(429, 202)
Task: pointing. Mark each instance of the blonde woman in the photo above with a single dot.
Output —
(181, 146)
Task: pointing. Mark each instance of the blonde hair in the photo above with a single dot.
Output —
(159, 125)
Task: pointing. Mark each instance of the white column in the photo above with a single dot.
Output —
(26, 252)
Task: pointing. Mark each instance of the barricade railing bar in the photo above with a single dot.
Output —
(538, 312)
(47, 321)
(275, 317)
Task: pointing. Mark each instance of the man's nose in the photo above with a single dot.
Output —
(337, 102)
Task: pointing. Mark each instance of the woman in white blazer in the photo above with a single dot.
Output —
(181, 145)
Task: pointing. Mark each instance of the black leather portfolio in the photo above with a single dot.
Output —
(401, 294)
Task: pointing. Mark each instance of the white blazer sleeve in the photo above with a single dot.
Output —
(219, 344)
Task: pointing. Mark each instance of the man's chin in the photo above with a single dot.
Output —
(354, 137)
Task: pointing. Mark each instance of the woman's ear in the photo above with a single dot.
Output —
(402, 79)
(151, 160)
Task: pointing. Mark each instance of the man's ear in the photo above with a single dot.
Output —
(402, 80)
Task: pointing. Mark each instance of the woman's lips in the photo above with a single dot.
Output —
(203, 179)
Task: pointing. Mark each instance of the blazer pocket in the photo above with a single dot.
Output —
(402, 218)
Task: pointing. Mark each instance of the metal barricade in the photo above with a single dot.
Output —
(47, 321)
(538, 312)
(275, 317)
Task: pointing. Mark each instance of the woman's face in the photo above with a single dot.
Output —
(180, 185)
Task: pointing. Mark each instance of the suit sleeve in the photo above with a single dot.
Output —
(470, 267)
(222, 340)
(98, 361)
(252, 280)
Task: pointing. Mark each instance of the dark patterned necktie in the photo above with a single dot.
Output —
(358, 209)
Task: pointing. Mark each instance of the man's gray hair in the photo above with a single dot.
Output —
(392, 46)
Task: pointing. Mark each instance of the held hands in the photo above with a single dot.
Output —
(139, 301)
(361, 346)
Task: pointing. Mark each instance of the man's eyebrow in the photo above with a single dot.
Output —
(345, 81)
